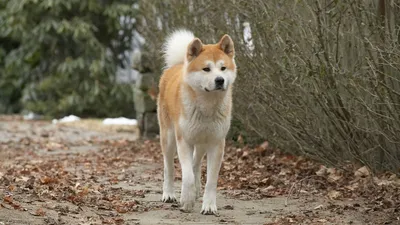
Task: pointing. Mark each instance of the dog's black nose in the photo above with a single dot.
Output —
(219, 81)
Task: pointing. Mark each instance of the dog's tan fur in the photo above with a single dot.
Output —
(194, 112)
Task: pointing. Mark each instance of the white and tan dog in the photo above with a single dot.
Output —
(194, 113)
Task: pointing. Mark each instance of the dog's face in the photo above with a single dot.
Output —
(210, 68)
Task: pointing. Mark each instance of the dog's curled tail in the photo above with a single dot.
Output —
(176, 46)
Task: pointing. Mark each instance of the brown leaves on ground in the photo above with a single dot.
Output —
(85, 180)
(263, 172)
(126, 206)
(91, 178)
(8, 199)
(300, 219)
(271, 172)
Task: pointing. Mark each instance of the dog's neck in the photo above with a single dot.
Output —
(207, 103)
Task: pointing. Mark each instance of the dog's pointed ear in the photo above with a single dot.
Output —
(194, 49)
(226, 45)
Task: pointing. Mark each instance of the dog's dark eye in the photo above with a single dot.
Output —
(206, 69)
(223, 68)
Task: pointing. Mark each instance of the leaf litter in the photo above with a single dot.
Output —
(88, 179)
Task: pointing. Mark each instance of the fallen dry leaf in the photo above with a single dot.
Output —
(8, 199)
(38, 212)
(52, 146)
(333, 175)
(318, 207)
(334, 195)
(264, 145)
(322, 171)
(48, 180)
(362, 172)
(22, 178)
(240, 139)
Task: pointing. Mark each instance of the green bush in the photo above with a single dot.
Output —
(323, 79)
(64, 56)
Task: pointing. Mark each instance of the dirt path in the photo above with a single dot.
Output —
(52, 174)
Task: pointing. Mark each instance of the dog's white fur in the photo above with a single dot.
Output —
(175, 47)
(200, 80)
(201, 126)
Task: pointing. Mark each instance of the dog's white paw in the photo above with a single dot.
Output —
(168, 197)
(209, 207)
(188, 197)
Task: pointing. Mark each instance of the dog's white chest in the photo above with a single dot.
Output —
(200, 128)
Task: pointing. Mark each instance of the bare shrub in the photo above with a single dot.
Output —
(322, 79)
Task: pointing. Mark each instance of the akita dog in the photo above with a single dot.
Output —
(194, 113)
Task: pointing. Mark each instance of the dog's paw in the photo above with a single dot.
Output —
(187, 207)
(209, 208)
(168, 198)
(188, 198)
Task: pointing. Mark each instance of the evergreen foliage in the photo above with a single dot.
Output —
(60, 57)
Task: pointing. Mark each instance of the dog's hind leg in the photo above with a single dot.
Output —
(168, 145)
(199, 153)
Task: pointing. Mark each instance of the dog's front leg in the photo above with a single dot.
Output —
(188, 192)
(214, 160)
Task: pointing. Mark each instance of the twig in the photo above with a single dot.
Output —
(292, 188)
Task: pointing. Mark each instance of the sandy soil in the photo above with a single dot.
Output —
(52, 174)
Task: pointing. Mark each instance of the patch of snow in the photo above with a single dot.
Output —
(120, 121)
(32, 116)
(67, 119)
(248, 39)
